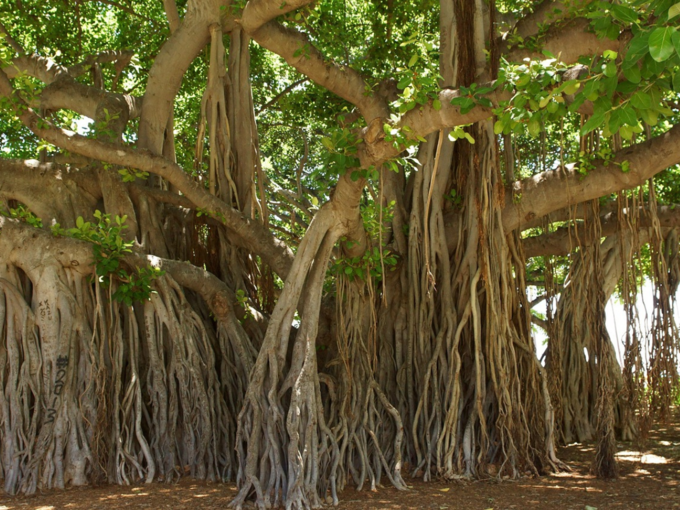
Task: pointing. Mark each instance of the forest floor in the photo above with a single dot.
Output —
(649, 479)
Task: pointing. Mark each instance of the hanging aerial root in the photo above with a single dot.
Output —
(97, 390)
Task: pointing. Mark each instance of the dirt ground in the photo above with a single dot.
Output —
(649, 479)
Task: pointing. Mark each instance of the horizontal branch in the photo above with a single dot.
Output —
(280, 95)
(546, 12)
(564, 240)
(259, 12)
(78, 256)
(425, 120)
(341, 80)
(568, 42)
(63, 91)
(556, 189)
(251, 233)
(120, 57)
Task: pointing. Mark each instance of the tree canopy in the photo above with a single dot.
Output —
(289, 243)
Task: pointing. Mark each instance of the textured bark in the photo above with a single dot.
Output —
(426, 368)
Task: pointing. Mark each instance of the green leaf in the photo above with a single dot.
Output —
(610, 54)
(638, 48)
(676, 82)
(623, 13)
(498, 127)
(348, 270)
(626, 87)
(593, 123)
(626, 132)
(326, 142)
(437, 104)
(641, 100)
(661, 44)
(673, 11)
(413, 60)
(523, 81)
(615, 121)
(628, 115)
(570, 87)
(465, 103)
(675, 39)
(650, 117)
(80, 222)
(578, 101)
(534, 126)
(610, 69)
(632, 74)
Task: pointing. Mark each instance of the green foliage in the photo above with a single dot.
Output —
(454, 197)
(109, 248)
(418, 87)
(130, 174)
(472, 96)
(217, 215)
(22, 213)
(538, 87)
(386, 42)
(369, 266)
(341, 151)
(242, 300)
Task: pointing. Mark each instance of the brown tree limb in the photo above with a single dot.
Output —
(342, 80)
(170, 7)
(77, 255)
(63, 91)
(259, 12)
(553, 190)
(569, 42)
(172, 61)
(104, 57)
(546, 12)
(563, 240)
(12, 42)
(425, 120)
(249, 232)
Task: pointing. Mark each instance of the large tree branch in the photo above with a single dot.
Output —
(553, 190)
(568, 42)
(50, 188)
(52, 192)
(258, 12)
(278, 96)
(564, 240)
(77, 256)
(343, 81)
(12, 42)
(421, 122)
(251, 233)
(546, 12)
(172, 61)
(170, 7)
(63, 91)
(121, 57)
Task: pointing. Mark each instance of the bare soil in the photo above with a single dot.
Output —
(649, 479)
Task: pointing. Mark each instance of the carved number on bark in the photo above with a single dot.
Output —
(45, 311)
(62, 363)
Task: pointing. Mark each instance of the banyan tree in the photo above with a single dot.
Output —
(289, 244)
